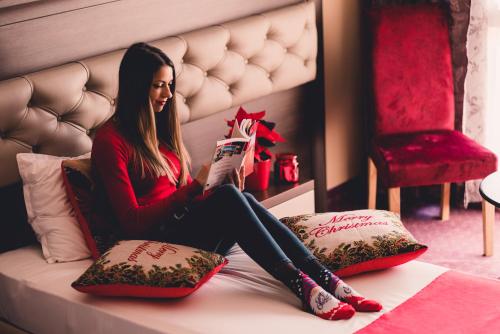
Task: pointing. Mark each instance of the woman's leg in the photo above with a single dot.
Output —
(226, 215)
(286, 239)
(306, 261)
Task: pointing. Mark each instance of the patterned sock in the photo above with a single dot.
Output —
(317, 301)
(345, 293)
(341, 290)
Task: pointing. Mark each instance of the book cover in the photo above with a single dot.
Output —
(233, 153)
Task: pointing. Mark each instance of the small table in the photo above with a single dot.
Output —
(490, 191)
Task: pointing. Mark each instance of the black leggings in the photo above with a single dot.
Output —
(228, 216)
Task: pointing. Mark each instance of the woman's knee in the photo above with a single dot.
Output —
(227, 193)
(229, 190)
(249, 196)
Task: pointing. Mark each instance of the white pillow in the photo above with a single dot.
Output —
(49, 211)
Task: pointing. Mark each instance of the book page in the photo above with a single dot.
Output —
(247, 129)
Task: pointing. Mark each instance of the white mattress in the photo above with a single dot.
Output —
(242, 298)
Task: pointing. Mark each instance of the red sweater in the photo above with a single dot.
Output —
(137, 203)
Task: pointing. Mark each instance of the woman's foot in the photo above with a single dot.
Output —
(318, 301)
(345, 293)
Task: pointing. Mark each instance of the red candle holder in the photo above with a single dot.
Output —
(286, 168)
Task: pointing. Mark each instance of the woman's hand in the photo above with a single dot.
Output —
(237, 178)
(202, 175)
(242, 178)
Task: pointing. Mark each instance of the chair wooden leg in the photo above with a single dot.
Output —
(394, 200)
(372, 184)
(488, 224)
(445, 201)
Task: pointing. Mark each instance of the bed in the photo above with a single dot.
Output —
(263, 60)
(242, 298)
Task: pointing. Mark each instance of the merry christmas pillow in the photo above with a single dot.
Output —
(352, 242)
(141, 268)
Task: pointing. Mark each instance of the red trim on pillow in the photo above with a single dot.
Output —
(87, 234)
(380, 263)
(146, 291)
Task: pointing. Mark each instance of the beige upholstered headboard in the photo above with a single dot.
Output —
(56, 111)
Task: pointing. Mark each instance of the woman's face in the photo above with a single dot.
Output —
(160, 92)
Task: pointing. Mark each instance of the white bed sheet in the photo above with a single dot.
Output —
(242, 298)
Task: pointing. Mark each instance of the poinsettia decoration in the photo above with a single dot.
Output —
(265, 137)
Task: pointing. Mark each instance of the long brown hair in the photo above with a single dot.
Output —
(137, 121)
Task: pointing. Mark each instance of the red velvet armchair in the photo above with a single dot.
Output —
(414, 142)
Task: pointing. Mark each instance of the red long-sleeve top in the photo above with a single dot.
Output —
(137, 203)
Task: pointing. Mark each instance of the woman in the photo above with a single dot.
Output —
(142, 167)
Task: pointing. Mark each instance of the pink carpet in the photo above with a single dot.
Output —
(457, 243)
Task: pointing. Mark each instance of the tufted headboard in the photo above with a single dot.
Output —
(57, 110)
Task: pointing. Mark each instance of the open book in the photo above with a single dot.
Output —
(233, 153)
